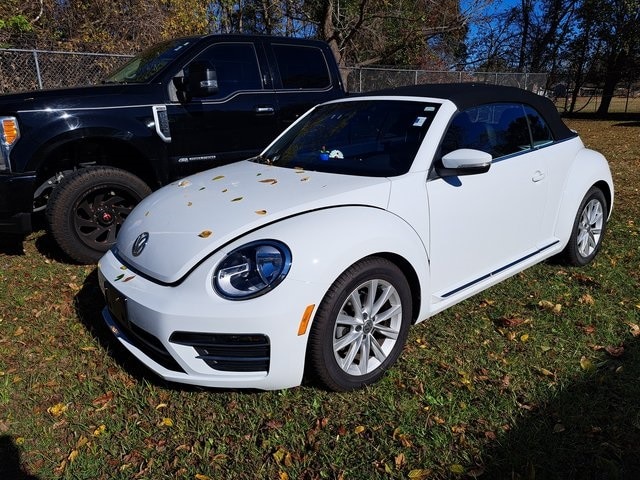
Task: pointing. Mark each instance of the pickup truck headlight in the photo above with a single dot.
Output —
(252, 270)
(9, 135)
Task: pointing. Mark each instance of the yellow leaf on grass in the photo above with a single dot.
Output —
(546, 373)
(524, 338)
(359, 429)
(57, 409)
(99, 431)
(457, 469)
(419, 474)
(586, 364)
(283, 476)
(73, 455)
(200, 476)
(166, 422)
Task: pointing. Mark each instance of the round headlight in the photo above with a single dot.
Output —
(252, 270)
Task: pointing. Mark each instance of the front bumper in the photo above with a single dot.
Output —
(187, 334)
(16, 203)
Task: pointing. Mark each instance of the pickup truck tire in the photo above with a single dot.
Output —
(87, 209)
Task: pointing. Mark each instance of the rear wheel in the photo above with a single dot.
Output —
(588, 229)
(85, 212)
(361, 325)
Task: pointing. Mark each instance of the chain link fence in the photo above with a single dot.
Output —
(366, 79)
(25, 70)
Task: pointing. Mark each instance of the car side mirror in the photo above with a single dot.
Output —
(464, 161)
(200, 80)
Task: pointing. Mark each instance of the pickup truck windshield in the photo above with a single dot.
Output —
(145, 65)
(377, 138)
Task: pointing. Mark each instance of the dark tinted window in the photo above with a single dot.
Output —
(499, 129)
(146, 64)
(540, 131)
(236, 67)
(301, 67)
(367, 138)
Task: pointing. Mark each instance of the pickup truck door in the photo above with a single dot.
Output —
(235, 123)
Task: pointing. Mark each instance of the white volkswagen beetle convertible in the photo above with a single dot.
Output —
(367, 215)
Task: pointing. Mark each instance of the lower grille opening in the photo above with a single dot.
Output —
(228, 352)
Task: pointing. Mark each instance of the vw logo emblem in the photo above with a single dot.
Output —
(140, 243)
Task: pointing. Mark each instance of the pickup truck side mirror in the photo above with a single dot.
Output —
(464, 161)
(200, 80)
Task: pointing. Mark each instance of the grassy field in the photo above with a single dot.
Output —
(538, 377)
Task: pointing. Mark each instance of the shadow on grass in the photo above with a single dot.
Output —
(89, 303)
(10, 465)
(12, 244)
(589, 430)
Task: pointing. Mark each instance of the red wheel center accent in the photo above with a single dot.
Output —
(107, 217)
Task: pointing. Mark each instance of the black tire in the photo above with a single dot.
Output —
(87, 209)
(588, 229)
(356, 351)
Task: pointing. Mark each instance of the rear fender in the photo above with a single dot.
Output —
(589, 169)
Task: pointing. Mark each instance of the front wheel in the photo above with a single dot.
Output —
(588, 229)
(86, 210)
(361, 325)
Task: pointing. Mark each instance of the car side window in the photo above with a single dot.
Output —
(301, 66)
(236, 66)
(540, 131)
(500, 129)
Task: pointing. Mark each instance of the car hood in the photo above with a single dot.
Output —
(93, 96)
(187, 220)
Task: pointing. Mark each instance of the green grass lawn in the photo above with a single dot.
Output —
(538, 377)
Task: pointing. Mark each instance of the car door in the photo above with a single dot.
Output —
(235, 123)
(483, 224)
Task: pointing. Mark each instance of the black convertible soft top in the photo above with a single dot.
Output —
(467, 95)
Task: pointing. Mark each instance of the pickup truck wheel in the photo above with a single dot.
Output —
(85, 212)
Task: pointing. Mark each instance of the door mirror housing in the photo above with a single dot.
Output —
(464, 161)
(200, 80)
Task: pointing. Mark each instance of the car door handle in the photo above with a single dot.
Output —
(264, 110)
(537, 176)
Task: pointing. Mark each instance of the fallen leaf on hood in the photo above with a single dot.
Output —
(272, 181)
(205, 234)
(237, 199)
(261, 212)
(219, 177)
(184, 183)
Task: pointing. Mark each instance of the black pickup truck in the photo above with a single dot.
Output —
(86, 156)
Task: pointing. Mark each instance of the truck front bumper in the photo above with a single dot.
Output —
(16, 203)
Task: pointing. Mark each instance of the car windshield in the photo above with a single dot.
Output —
(146, 64)
(377, 138)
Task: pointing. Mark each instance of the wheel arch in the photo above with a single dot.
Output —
(99, 150)
(412, 278)
(590, 169)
